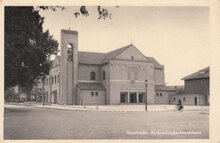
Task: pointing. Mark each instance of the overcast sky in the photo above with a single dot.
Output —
(177, 37)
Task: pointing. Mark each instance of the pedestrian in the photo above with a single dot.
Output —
(180, 107)
(179, 102)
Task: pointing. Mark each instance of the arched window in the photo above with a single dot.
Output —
(103, 75)
(92, 75)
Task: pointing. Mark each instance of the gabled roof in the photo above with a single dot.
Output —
(90, 58)
(115, 53)
(155, 62)
(91, 86)
(204, 73)
(102, 58)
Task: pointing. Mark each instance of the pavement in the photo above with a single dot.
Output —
(33, 122)
(111, 108)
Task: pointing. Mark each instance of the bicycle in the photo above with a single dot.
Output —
(179, 108)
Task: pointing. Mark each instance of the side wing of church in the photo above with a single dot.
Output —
(122, 76)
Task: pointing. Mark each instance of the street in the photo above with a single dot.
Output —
(28, 122)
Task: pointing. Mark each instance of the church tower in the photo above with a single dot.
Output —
(69, 66)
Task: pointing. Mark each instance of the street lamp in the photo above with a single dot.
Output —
(146, 95)
(43, 98)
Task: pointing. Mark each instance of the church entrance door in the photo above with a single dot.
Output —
(133, 97)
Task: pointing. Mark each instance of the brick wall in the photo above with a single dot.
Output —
(189, 99)
(159, 76)
(88, 99)
(119, 79)
(163, 97)
(85, 70)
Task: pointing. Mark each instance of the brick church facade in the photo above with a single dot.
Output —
(116, 77)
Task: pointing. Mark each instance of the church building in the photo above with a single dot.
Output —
(122, 76)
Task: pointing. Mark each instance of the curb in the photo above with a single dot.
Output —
(98, 110)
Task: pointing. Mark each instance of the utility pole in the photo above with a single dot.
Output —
(146, 95)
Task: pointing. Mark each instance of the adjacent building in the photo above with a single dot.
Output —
(196, 88)
(117, 77)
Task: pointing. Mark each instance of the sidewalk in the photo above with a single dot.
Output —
(111, 108)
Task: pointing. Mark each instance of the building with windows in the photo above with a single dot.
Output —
(196, 89)
(117, 77)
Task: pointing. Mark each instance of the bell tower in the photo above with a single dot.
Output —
(69, 66)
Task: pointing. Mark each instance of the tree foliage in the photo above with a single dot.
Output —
(103, 13)
(27, 47)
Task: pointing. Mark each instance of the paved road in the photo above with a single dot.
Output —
(26, 122)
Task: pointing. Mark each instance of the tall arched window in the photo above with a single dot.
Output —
(103, 75)
(92, 75)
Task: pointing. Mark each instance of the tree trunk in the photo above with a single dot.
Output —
(29, 96)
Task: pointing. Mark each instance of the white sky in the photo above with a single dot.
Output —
(177, 37)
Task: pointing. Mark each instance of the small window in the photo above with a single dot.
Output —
(157, 94)
(46, 81)
(160, 94)
(92, 75)
(58, 78)
(55, 79)
(132, 57)
(96, 94)
(92, 93)
(103, 75)
(184, 98)
(174, 99)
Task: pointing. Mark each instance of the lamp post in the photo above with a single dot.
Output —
(146, 96)
(42, 84)
(43, 98)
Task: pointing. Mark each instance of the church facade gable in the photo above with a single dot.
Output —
(132, 53)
